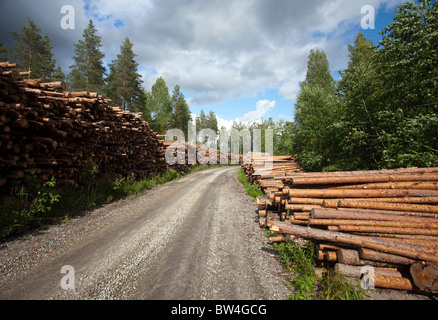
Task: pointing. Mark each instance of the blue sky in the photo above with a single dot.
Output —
(242, 59)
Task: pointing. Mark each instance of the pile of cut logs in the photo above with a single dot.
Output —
(55, 132)
(186, 155)
(387, 219)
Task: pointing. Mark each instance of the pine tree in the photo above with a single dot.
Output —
(32, 51)
(124, 83)
(181, 112)
(87, 73)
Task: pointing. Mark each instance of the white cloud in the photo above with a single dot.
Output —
(262, 109)
(215, 50)
(227, 124)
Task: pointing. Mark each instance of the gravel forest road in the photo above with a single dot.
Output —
(190, 239)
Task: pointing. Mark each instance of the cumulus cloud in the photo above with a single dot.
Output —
(262, 109)
(215, 50)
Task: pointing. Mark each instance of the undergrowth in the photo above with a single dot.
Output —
(251, 189)
(305, 283)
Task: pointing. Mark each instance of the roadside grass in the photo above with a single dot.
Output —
(302, 262)
(34, 207)
(251, 189)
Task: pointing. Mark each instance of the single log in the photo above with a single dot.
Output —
(327, 255)
(299, 207)
(361, 173)
(346, 256)
(387, 206)
(427, 185)
(392, 212)
(394, 247)
(358, 193)
(374, 223)
(425, 276)
(279, 238)
(305, 200)
(8, 65)
(397, 283)
(301, 215)
(367, 254)
(321, 213)
(388, 230)
(358, 271)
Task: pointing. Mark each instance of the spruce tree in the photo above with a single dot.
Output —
(124, 83)
(181, 112)
(58, 74)
(87, 73)
(315, 112)
(32, 51)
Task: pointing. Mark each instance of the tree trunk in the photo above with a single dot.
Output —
(359, 193)
(367, 254)
(425, 276)
(347, 256)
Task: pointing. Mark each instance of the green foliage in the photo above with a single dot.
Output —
(315, 133)
(87, 72)
(159, 105)
(30, 206)
(407, 66)
(89, 171)
(251, 189)
(181, 113)
(124, 83)
(334, 286)
(32, 51)
(383, 112)
(302, 262)
(306, 286)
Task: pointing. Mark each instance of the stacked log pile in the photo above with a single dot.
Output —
(387, 219)
(268, 174)
(188, 155)
(55, 132)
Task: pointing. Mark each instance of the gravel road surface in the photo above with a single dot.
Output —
(194, 238)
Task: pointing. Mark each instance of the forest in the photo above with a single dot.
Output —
(382, 113)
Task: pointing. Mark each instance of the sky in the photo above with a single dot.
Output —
(241, 59)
